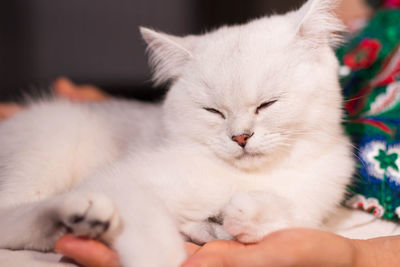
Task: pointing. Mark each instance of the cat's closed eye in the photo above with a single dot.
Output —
(265, 105)
(213, 110)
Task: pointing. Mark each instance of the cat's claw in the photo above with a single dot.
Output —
(88, 215)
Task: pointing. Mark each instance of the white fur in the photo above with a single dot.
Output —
(129, 166)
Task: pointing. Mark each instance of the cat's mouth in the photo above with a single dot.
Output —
(245, 155)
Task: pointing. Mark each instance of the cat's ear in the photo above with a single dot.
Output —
(167, 54)
(317, 22)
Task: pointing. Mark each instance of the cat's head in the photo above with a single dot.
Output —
(246, 92)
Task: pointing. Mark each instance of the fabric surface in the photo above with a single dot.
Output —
(27, 258)
(370, 77)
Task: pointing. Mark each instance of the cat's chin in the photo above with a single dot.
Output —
(248, 155)
(250, 161)
(255, 161)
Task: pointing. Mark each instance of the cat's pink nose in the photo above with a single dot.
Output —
(241, 139)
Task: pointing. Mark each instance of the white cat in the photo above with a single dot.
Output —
(247, 141)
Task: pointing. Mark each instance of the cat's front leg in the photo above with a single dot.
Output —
(38, 225)
(251, 216)
(90, 215)
(146, 245)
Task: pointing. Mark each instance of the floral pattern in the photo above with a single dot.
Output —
(364, 55)
(370, 77)
(386, 100)
(381, 160)
(367, 204)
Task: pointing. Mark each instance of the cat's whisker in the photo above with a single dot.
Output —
(356, 98)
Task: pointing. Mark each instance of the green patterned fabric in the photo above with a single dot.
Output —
(370, 77)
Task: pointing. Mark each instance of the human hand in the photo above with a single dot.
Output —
(92, 253)
(292, 247)
(8, 109)
(285, 248)
(353, 13)
(86, 252)
(63, 88)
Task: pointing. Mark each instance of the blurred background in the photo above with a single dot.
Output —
(97, 41)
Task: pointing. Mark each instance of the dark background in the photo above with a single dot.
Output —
(97, 41)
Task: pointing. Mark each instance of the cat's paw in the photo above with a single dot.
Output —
(201, 232)
(88, 214)
(249, 216)
(198, 232)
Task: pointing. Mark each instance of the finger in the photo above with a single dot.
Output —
(191, 248)
(9, 109)
(87, 252)
(91, 93)
(217, 253)
(220, 246)
(64, 87)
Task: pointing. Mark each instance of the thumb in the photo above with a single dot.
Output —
(86, 252)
